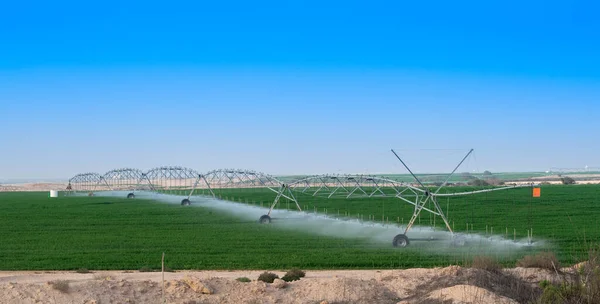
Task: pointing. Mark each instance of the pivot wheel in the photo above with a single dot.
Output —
(185, 202)
(130, 195)
(265, 219)
(400, 241)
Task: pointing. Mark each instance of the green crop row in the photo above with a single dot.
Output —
(565, 217)
(41, 233)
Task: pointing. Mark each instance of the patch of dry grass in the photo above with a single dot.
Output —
(82, 270)
(60, 285)
(486, 263)
(583, 287)
(544, 260)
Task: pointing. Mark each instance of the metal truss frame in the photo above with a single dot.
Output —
(237, 178)
(353, 186)
(431, 196)
(169, 178)
(123, 179)
(183, 180)
(89, 181)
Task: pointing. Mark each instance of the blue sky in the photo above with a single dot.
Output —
(298, 86)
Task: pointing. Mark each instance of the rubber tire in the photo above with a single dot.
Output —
(400, 240)
(185, 202)
(130, 195)
(265, 219)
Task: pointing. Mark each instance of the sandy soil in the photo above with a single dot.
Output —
(33, 187)
(439, 285)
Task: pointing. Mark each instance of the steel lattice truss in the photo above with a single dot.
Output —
(349, 186)
(181, 181)
(88, 182)
(125, 179)
(240, 179)
(230, 178)
(174, 180)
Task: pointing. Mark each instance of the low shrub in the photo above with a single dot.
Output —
(567, 180)
(545, 260)
(506, 284)
(267, 277)
(297, 272)
(486, 263)
(477, 182)
(82, 270)
(60, 285)
(293, 275)
(169, 269)
(244, 280)
(290, 278)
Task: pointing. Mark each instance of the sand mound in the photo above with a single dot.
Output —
(438, 285)
(468, 294)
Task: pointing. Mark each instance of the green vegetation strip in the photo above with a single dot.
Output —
(566, 217)
(69, 233)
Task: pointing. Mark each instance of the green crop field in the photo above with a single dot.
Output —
(566, 218)
(41, 233)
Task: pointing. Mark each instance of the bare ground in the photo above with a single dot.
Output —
(438, 285)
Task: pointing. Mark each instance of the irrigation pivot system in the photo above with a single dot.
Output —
(180, 181)
(244, 179)
(368, 186)
(189, 183)
(427, 195)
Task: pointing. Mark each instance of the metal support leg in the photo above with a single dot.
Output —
(293, 197)
(194, 187)
(276, 201)
(442, 215)
(418, 208)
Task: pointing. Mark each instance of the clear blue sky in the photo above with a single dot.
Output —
(297, 86)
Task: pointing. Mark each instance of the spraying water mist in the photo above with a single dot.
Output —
(379, 235)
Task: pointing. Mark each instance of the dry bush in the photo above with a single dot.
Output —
(82, 270)
(146, 269)
(583, 288)
(486, 263)
(545, 260)
(477, 182)
(60, 285)
(293, 275)
(499, 282)
(297, 272)
(507, 285)
(267, 277)
(169, 269)
(494, 181)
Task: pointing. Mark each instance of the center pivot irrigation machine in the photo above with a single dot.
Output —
(187, 182)
(361, 186)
